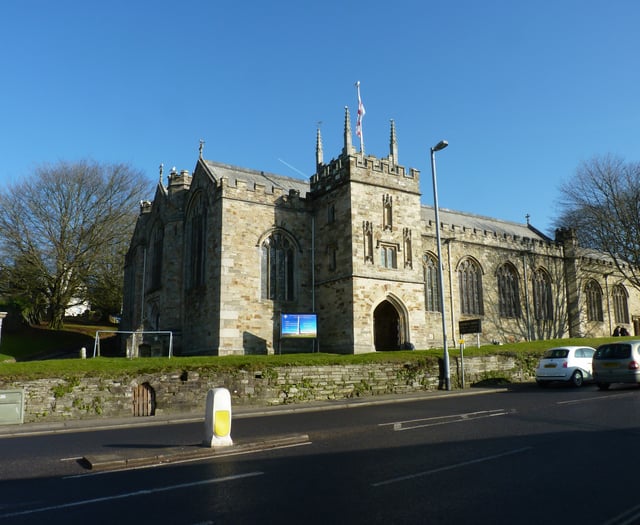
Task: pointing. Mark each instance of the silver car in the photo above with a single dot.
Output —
(617, 363)
(565, 363)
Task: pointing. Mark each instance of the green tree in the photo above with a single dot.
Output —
(62, 231)
(602, 203)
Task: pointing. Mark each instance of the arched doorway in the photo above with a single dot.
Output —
(386, 327)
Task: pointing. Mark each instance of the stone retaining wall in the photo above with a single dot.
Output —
(186, 391)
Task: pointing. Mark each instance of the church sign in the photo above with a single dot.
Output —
(470, 326)
(298, 325)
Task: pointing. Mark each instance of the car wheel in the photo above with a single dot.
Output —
(603, 386)
(577, 378)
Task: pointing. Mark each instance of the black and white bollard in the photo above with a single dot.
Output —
(217, 419)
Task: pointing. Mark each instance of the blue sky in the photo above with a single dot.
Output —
(523, 91)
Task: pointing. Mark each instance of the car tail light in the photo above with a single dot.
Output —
(565, 364)
(633, 365)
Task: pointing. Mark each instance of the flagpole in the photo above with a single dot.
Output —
(361, 113)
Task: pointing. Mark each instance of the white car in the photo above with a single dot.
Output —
(565, 363)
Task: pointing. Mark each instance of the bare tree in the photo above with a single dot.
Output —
(60, 228)
(602, 202)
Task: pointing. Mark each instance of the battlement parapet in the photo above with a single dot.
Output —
(358, 167)
(179, 181)
(145, 207)
(257, 192)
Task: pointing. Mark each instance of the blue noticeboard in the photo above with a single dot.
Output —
(298, 325)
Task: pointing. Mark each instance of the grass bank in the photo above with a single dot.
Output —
(41, 341)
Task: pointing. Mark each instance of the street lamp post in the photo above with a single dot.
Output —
(447, 374)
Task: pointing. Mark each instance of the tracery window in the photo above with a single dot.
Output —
(277, 265)
(431, 283)
(593, 296)
(542, 296)
(157, 242)
(508, 291)
(196, 239)
(470, 284)
(620, 306)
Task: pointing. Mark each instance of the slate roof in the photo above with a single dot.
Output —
(251, 177)
(481, 224)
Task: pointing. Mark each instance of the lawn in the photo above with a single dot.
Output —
(30, 342)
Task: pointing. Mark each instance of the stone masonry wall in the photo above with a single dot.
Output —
(186, 391)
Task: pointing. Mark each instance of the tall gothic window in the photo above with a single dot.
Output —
(508, 291)
(470, 283)
(157, 241)
(620, 307)
(196, 248)
(593, 295)
(431, 283)
(277, 263)
(542, 296)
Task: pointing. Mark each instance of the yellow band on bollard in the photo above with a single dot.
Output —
(222, 423)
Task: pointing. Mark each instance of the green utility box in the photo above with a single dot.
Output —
(11, 407)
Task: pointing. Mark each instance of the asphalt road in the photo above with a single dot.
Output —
(526, 455)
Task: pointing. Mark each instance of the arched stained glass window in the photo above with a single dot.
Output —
(470, 284)
(593, 296)
(508, 291)
(431, 283)
(157, 242)
(196, 243)
(542, 296)
(277, 262)
(620, 306)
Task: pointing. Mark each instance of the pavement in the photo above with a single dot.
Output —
(145, 457)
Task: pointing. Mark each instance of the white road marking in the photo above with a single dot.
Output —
(130, 495)
(586, 399)
(449, 467)
(444, 420)
(628, 517)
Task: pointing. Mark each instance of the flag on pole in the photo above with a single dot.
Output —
(361, 113)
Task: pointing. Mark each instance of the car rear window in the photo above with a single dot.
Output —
(555, 353)
(613, 351)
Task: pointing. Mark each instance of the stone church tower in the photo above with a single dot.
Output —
(369, 285)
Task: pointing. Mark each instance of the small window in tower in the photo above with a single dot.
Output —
(388, 256)
(331, 213)
(332, 257)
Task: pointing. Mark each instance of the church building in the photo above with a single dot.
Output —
(223, 256)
